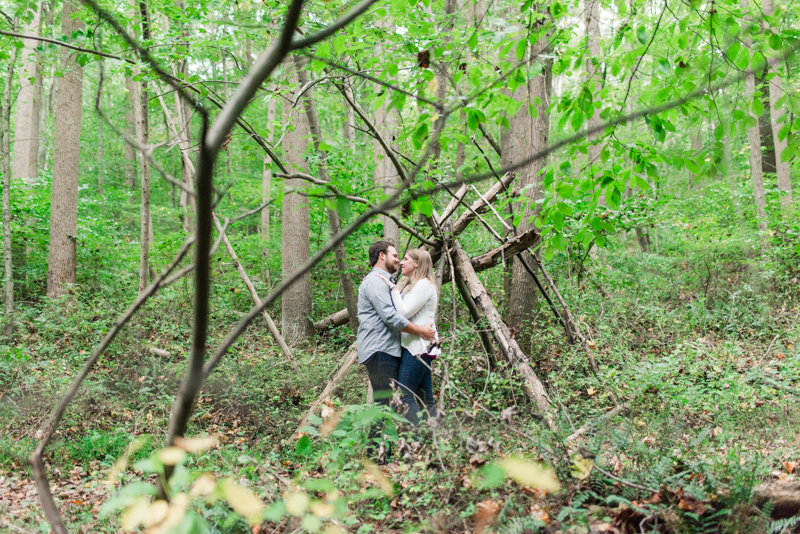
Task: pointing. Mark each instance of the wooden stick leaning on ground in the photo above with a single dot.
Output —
(254, 295)
(350, 358)
(531, 384)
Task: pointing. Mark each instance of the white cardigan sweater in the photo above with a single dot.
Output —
(418, 305)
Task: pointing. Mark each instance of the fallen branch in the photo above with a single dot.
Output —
(591, 424)
(347, 362)
(531, 384)
(254, 295)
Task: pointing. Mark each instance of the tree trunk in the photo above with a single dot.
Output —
(62, 258)
(385, 175)
(526, 135)
(46, 108)
(29, 103)
(592, 23)
(296, 302)
(349, 125)
(350, 299)
(754, 136)
(5, 168)
(129, 151)
(227, 93)
(141, 113)
(775, 87)
(511, 351)
(266, 174)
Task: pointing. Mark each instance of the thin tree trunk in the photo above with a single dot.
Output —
(47, 96)
(349, 125)
(350, 299)
(775, 87)
(266, 174)
(141, 112)
(227, 93)
(385, 175)
(592, 23)
(526, 135)
(296, 302)
(754, 136)
(29, 103)
(62, 257)
(5, 168)
(130, 152)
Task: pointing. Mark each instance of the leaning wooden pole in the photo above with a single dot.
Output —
(246, 279)
(531, 384)
(349, 359)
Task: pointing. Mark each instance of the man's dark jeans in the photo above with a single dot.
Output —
(416, 385)
(382, 369)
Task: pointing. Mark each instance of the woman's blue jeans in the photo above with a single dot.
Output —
(415, 382)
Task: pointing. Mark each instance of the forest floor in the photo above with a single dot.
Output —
(709, 376)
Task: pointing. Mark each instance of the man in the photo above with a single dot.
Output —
(379, 324)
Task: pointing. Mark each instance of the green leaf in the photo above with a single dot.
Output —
(303, 447)
(339, 43)
(519, 51)
(275, 512)
(757, 106)
(473, 40)
(559, 243)
(719, 132)
(641, 183)
(641, 34)
(343, 208)
(533, 111)
(692, 166)
(787, 154)
(774, 41)
(663, 65)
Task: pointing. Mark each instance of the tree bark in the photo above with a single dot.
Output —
(385, 175)
(526, 135)
(129, 171)
(775, 87)
(509, 347)
(348, 290)
(29, 103)
(592, 23)
(5, 168)
(349, 125)
(754, 136)
(62, 257)
(141, 112)
(296, 302)
(266, 174)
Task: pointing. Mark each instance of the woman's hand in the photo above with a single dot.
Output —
(388, 282)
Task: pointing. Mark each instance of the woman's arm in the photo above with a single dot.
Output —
(415, 299)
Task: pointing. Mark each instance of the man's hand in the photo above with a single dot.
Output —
(426, 332)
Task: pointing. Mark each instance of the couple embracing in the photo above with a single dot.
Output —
(396, 330)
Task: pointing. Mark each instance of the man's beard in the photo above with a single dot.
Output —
(391, 268)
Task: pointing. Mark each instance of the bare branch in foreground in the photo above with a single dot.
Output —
(45, 433)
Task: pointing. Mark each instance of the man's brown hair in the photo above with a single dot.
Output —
(376, 249)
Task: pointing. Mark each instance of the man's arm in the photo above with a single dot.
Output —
(381, 299)
(425, 332)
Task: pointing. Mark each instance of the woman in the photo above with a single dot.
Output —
(416, 298)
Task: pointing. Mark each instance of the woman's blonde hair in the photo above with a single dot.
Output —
(424, 269)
